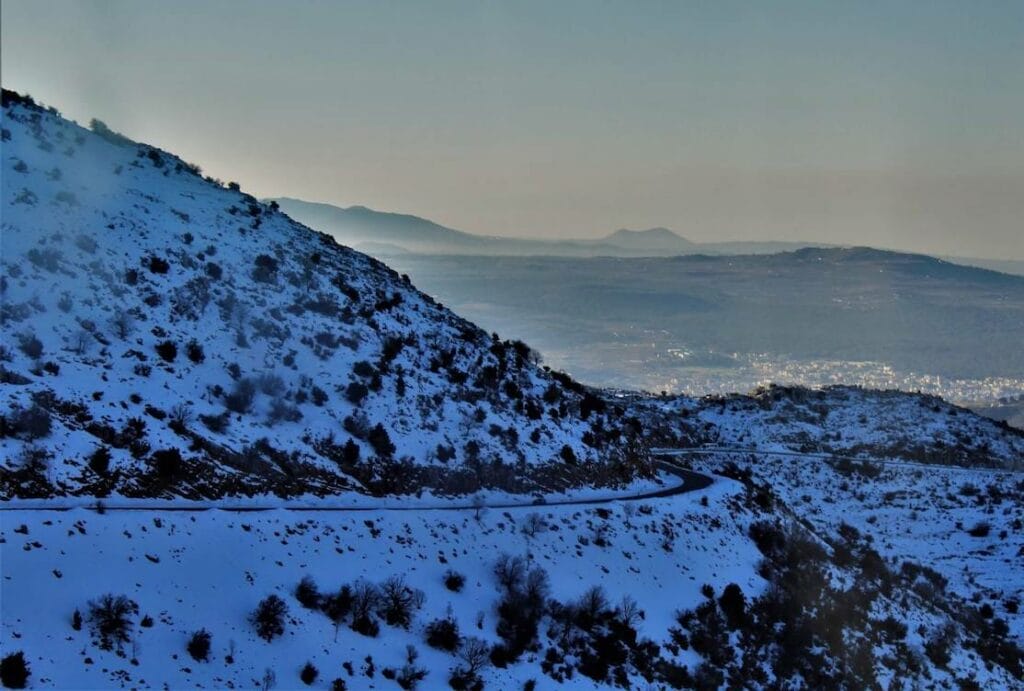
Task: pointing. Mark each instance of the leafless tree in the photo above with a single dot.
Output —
(533, 524)
(123, 324)
(364, 598)
(181, 414)
(629, 610)
(398, 601)
(476, 654)
(80, 342)
(536, 587)
(510, 571)
(478, 507)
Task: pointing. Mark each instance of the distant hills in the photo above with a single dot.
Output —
(386, 234)
(383, 233)
(654, 239)
(644, 322)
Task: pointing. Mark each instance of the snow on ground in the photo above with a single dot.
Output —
(845, 420)
(925, 515)
(192, 570)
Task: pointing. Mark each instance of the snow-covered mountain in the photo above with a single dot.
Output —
(166, 334)
(169, 337)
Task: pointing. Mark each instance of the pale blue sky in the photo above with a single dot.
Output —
(896, 124)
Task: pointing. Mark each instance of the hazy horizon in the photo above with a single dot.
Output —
(891, 126)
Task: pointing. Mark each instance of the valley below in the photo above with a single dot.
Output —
(701, 325)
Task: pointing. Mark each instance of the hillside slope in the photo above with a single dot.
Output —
(835, 420)
(167, 335)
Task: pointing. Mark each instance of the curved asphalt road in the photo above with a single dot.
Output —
(690, 481)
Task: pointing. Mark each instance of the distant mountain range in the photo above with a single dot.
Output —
(386, 234)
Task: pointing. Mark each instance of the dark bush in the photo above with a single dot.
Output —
(309, 674)
(31, 423)
(214, 271)
(980, 529)
(195, 351)
(734, 606)
(281, 411)
(318, 396)
(380, 441)
(99, 460)
(14, 672)
(31, 346)
(307, 593)
(269, 617)
(240, 400)
(567, 454)
(356, 392)
(167, 463)
(265, 270)
(410, 675)
(199, 645)
(443, 634)
(453, 580)
(157, 265)
(216, 423)
(937, 648)
(109, 618)
(364, 369)
(350, 453)
(168, 350)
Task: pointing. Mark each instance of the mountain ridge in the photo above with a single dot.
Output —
(384, 233)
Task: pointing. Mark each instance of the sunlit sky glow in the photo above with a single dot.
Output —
(895, 124)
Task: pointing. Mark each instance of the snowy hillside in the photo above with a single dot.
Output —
(165, 334)
(687, 592)
(837, 420)
(199, 395)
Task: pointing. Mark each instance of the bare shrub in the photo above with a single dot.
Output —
(110, 620)
(398, 602)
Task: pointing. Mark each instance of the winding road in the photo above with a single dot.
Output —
(689, 481)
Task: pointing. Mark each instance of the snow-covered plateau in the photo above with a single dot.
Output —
(236, 454)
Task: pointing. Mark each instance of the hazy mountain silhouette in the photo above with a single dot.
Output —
(386, 234)
(383, 233)
(655, 239)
